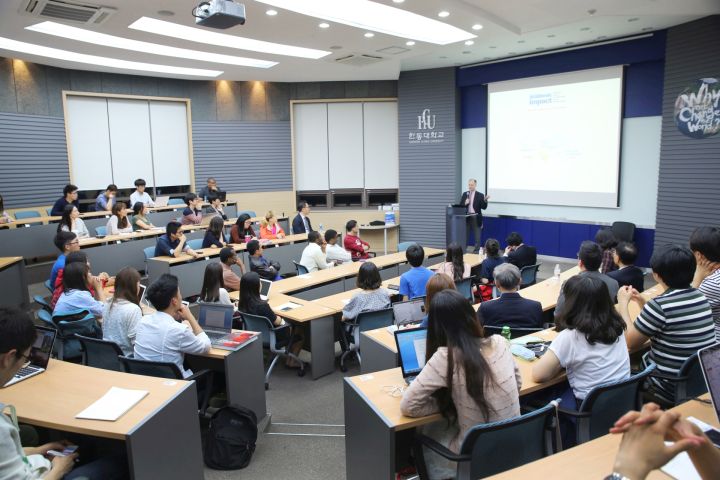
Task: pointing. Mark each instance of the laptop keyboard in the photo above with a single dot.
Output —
(25, 371)
(215, 335)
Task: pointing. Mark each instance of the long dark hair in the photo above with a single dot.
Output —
(138, 208)
(216, 227)
(590, 310)
(249, 291)
(605, 238)
(454, 254)
(66, 220)
(492, 248)
(212, 283)
(240, 223)
(75, 277)
(116, 209)
(126, 282)
(452, 323)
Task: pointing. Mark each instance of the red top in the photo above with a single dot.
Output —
(354, 245)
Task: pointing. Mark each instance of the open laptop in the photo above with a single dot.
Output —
(710, 362)
(265, 286)
(410, 311)
(39, 355)
(411, 351)
(162, 201)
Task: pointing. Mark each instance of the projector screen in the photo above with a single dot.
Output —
(555, 140)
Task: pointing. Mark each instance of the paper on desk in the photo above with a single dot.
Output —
(681, 467)
(113, 405)
(305, 275)
(288, 306)
(345, 301)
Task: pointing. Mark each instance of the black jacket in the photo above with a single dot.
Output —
(265, 268)
(479, 203)
(512, 310)
(298, 226)
(630, 275)
(523, 256)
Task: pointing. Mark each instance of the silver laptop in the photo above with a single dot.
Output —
(216, 320)
(39, 355)
(710, 362)
(411, 351)
(162, 201)
(410, 311)
(265, 286)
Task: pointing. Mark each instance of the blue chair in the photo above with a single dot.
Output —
(100, 353)
(43, 303)
(689, 381)
(176, 201)
(301, 269)
(364, 321)
(464, 286)
(49, 212)
(195, 243)
(484, 451)
(70, 323)
(149, 253)
(402, 246)
(249, 212)
(46, 317)
(49, 286)
(27, 214)
(528, 275)
(100, 231)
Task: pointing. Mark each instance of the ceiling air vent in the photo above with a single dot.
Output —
(73, 12)
(358, 59)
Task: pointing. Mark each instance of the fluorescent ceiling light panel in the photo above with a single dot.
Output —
(377, 17)
(96, 38)
(169, 29)
(31, 49)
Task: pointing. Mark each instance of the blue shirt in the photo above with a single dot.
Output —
(412, 282)
(57, 209)
(74, 300)
(488, 266)
(101, 203)
(165, 246)
(57, 266)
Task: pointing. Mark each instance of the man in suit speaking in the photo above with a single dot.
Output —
(475, 202)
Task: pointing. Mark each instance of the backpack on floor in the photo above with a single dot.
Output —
(230, 438)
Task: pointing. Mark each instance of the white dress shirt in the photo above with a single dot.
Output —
(143, 197)
(336, 252)
(160, 338)
(314, 259)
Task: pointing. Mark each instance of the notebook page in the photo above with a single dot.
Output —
(113, 405)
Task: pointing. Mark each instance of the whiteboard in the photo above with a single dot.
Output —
(88, 142)
(310, 130)
(171, 156)
(380, 124)
(129, 122)
(345, 144)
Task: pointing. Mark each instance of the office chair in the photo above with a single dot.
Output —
(44, 304)
(301, 269)
(149, 253)
(364, 321)
(100, 353)
(689, 381)
(528, 275)
(249, 212)
(68, 324)
(176, 201)
(49, 286)
(49, 212)
(623, 231)
(195, 243)
(402, 246)
(464, 286)
(27, 214)
(100, 231)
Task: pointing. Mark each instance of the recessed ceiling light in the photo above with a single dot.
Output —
(443, 14)
(324, 25)
(469, 42)
(369, 34)
(272, 13)
(169, 29)
(410, 43)
(47, 52)
(377, 17)
(477, 26)
(96, 38)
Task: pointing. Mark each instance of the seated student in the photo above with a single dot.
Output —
(267, 269)
(270, 229)
(210, 189)
(66, 242)
(313, 256)
(455, 344)
(71, 222)
(454, 265)
(301, 222)
(80, 257)
(371, 297)
(76, 291)
(624, 255)
(677, 322)
(241, 229)
(412, 282)
(213, 287)
(215, 234)
(192, 215)
(31, 463)
(119, 222)
(105, 200)
(172, 244)
(4, 216)
(437, 283)
(589, 259)
(140, 220)
(228, 258)
(334, 251)
(607, 241)
(122, 313)
(215, 208)
(705, 245)
(172, 331)
(357, 247)
(510, 308)
(70, 196)
(140, 195)
(518, 253)
(591, 344)
(491, 261)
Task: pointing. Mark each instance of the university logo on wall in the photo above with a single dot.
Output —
(426, 132)
(697, 109)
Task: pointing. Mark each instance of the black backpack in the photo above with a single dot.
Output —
(230, 438)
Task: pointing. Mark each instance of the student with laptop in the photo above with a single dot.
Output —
(140, 195)
(140, 220)
(118, 223)
(192, 215)
(412, 282)
(267, 269)
(213, 287)
(76, 294)
(215, 209)
(228, 258)
(485, 382)
(172, 331)
(215, 234)
(372, 296)
(122, 313)
(105, 200)
(70, 197)
(66, 242)
(172, 244)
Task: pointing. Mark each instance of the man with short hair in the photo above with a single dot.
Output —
(333, 250)
(70, 196)
(192, 215)
(475, 202)
(510, 308)
(215, 208)
(301, 222)
(105, 201)
(267, 269)
(624, 256)
(357, 247)
(589, 260)
(228, 258)
(210, 189)
(412, 282)
(66, 242)
(705, 245)
(313, 256)
(140, 195)
(159, 337)
(678, 322)
(518, 253)
(172, 244)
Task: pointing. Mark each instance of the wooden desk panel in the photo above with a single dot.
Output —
(7, 261)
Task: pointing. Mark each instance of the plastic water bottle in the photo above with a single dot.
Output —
(506, 332)
(321, 230)
(556, 272)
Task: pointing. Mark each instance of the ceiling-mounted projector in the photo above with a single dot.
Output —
(219, 14)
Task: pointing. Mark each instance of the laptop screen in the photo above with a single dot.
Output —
(265, 287)
(410, 311)
(710, 361)
(411, 347)
(216, 317)
(42, 348)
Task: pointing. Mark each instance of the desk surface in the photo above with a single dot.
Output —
(53, 398)
(7, 261)
(379, 227)
(308, 310)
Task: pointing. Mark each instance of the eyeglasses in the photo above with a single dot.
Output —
(74, 242)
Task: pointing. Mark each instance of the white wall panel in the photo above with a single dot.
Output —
(171, 156)
(88, 142)
(380, 124)
(345, 144)
(310, 130)
(129, 122)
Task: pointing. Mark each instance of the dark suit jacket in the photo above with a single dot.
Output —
(512, 310)
(263, 267)
(523, 256)
(631, 275)
(298, 226)
(479, 204)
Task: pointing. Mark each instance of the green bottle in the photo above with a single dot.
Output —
(506, 332)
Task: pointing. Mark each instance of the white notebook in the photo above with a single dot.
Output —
(113, 405)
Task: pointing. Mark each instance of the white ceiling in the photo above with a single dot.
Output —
(510, 28)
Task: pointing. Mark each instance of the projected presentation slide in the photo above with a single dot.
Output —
(555, 140)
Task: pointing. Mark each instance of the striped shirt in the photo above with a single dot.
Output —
(678, 323)
(710, 287)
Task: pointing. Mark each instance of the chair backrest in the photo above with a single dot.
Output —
(100, 353)
(69, 324)
(176, 201)
(195, 243)
(402, 246)
(150, 368)
(46, 317)
(464, 286)
(49, 211)
(301, 269)
(26, 214)
(49, 286)
(606, 403)
(525, 436)
(515, 332)
(100, 230)
(149, 252)
(375, 319)
(691, 382)
(528, 274)
(258, 323)
(249, 212)
(43, 303)
(623, 231)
